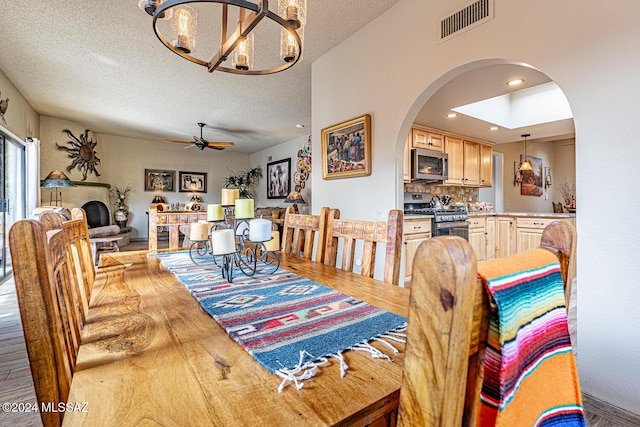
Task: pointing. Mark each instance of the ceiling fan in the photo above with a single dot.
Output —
(202, 143)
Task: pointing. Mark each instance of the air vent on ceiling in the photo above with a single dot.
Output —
(465, 19)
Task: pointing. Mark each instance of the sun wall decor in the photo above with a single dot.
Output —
(83, 153)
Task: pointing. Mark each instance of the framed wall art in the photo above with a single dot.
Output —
(346, 149)
(531, 180)
(279, 179)
(159, 180)
(193, 182)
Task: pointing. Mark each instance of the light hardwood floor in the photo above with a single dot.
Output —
(16, 384)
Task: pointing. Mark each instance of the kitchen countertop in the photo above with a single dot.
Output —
(534, 214)
(522, 214)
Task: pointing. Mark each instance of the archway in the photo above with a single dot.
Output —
(551, 139)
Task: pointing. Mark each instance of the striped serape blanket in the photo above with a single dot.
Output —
(288, 323)
(530, 375)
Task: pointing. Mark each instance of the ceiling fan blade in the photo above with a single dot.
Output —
(220, 144)
(175, 141)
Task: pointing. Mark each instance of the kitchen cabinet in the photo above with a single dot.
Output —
(471, 162)
(406, 176)
(529, 232)
(477, 237)
(415, 232)
(464, 161)
(490, 233)
(486, 165)
(505, 236)
(422, 137)
(454, 148)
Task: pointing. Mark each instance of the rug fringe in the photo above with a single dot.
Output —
(305, 370)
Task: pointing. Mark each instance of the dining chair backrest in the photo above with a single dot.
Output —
(370, 233)
(77, 232)
(300, 232)
(45, 282)
(447, 328)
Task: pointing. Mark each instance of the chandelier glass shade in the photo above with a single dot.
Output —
(237, 39)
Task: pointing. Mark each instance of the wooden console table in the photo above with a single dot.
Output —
(171, 220)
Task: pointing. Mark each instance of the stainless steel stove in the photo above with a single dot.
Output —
(444, 222)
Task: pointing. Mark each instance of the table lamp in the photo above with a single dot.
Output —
(56, 179)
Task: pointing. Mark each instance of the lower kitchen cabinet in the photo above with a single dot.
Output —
(477, 237)
(505, 236)
(490, 233)
(416, 231)
(529, 232)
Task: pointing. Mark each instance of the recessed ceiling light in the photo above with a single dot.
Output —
(515, 82)
(452, 115)
(493, 128)
(300, 126)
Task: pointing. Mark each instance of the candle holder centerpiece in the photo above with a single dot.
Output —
(234, 238)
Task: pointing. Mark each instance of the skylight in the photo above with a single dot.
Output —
(532, 106)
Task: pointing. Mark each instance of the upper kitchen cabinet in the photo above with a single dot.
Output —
(454, 147)
(423, 137)
(406, 176)
(486, 165)
(471, 162)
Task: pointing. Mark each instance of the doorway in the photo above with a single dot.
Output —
(12, 195)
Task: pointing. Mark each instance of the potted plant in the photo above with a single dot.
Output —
(121, 213)
(244, 181)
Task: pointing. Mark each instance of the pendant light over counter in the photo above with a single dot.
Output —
(526, 164)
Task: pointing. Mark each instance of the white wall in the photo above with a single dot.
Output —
(588, 52)
(123, 161)
(278, 152)
(22, 120)
(558, 155)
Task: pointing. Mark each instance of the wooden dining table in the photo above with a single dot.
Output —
(150, 355)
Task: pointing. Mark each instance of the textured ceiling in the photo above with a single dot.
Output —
(100, 64)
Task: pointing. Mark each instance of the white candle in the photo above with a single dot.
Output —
(274, 243)
(229, 196)
(240, 230)
(198, 231)
(244, 208)
(259, 230)
(223, 242)
(214, 213)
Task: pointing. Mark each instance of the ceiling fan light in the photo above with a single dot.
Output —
(184, 29)
(242, 58)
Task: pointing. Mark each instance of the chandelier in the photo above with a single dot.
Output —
(236, 42)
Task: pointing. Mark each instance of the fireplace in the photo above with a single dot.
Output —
(97, 214)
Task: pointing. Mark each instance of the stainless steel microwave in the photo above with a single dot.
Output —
(429, 165)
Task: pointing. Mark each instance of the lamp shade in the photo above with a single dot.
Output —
(57, 179)
(294, 197)
(526, 166)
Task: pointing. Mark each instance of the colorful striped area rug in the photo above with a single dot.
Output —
(288, 323)
(530, 375)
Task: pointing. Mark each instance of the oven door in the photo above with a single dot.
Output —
(453, 228)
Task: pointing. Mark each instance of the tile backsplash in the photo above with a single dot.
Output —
(458, 194)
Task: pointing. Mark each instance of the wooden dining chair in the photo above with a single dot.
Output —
(300, 232)
(45, 280)
(447, 329)
(371, 233)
